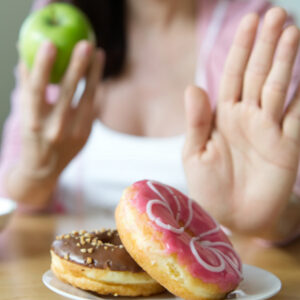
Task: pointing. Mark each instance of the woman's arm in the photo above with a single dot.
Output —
(51, 134)
(32, 192)
(15, 182)
(241, 161)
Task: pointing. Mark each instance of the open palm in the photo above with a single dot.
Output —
(241, 162)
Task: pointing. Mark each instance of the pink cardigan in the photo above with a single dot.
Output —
(235, 10)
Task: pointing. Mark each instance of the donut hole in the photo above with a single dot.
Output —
(111, 239)
(187, 230)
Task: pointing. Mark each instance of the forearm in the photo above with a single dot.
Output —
(29, 189)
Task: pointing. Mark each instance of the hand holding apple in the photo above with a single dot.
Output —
(52, 133)
(57, 50)
(62, 24)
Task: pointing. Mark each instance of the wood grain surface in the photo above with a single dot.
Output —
(25, 244)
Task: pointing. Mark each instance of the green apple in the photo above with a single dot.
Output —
(61, 23)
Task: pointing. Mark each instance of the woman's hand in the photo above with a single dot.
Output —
(241, 162)
(52, 134)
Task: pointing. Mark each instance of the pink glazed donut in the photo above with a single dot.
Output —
(172, 238)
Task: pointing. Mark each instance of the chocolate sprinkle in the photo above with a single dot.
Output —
(100, 242)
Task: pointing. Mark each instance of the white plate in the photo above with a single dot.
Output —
(257, 284)
(7, 207)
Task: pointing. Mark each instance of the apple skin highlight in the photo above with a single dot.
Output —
(62, 24)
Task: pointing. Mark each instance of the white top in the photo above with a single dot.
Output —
(111, 161)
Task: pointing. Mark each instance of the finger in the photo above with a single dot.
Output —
(277, 83)
(93, 77)
(232, 79)
(291, 121)
(79, 63)
(198, 120)
(262, 56)
(23, 73)
(84, 109)
(40, 74)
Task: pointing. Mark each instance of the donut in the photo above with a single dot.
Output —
(174, 240)
(97, 261)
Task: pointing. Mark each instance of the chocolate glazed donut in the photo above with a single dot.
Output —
(97, 261)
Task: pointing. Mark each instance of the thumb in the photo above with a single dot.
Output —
(22, 72)
(198, 120)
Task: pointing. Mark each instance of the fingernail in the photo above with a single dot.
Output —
(249, 21)
(101, 54)
(98, 56)
(291, 35)
(84, 49)
(47, 48)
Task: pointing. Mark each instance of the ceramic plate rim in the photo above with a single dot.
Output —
(10, 206)
(266, 295)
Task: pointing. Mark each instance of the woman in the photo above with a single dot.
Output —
(240, 161)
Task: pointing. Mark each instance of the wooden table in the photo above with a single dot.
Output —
(25, 243)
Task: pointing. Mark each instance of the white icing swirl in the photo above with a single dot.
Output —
(222, 257)
(164, 202)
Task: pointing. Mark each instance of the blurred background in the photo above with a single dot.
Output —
(12, 13)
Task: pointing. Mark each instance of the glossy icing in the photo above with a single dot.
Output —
(107, 251)
(189, 232)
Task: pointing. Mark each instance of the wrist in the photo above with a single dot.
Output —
(28, 188)
(287, 228)
(42, 171)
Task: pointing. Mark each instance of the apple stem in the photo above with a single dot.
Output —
(53, 20)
